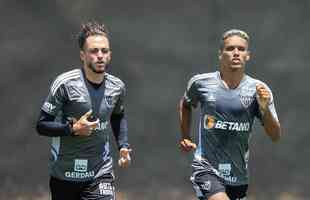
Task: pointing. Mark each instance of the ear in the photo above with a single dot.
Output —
(220, 54)
(247, 58)
(82, 55)
(110, 56)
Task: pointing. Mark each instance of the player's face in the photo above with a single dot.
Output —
(235, 53)
(96, 53)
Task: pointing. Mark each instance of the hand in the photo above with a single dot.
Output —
(83, 127)
(263, 97)
(187, 145)
(124, 157)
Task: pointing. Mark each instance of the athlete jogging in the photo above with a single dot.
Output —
(82, 108)
(229, 101)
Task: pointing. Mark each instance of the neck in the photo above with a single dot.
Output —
(232, 78)
(92, 76)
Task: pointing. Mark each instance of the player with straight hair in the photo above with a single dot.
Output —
(229, 102)
(82, 108)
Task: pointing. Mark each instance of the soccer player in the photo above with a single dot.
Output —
(229, 101)
(82, 108)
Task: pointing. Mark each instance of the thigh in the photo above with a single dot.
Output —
(64, 190)
(102, 188)
(207, 185)
(237, 192)
(219, 196)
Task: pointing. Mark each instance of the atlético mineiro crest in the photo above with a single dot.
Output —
(247, 97)
(109, 100)
(246, 100)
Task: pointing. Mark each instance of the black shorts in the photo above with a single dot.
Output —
(207, 184)
(101, 188)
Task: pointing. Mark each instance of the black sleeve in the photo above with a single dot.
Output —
(120, 130)
(47, 126)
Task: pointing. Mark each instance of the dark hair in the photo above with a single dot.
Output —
(89, 29)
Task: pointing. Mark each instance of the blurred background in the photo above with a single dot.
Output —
(157, 47)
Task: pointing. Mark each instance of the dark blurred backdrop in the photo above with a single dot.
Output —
(157, 47)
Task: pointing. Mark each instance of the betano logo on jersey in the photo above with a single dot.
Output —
(211, 123)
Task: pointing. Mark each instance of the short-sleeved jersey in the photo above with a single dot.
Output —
(71, 96)
(226, 119)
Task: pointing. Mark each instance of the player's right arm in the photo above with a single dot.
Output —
(56, 99)
(47, 126)
(189, 100)
(185, 118)
(268, 114)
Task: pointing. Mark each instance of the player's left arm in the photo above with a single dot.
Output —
(120, 131)
(185, 119)
(271, 124)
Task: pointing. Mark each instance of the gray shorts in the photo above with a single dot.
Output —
(101, 188)
(206, 184)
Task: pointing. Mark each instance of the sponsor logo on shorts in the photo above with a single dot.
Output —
(206, 186)
(105, 189)
(231, 179)
(225, 172)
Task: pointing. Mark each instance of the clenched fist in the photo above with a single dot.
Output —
(187, 145)
(124, 157)
(263, 97)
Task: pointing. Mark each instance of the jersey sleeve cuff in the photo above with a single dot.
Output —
(126, 145)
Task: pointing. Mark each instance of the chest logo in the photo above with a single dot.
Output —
(247, 97)
(246, 100)
(109, 100)
(80, 165)
(209, 122)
